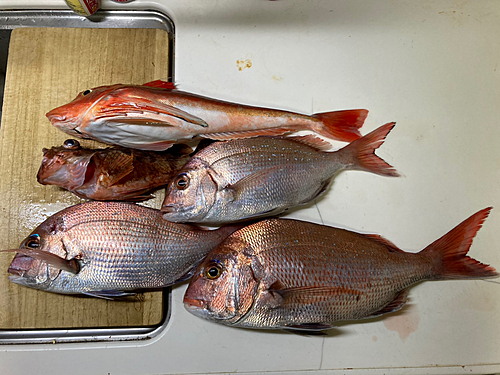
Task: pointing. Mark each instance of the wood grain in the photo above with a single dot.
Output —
(48, 68)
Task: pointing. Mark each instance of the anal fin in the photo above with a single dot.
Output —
(109, 294)
(247, 134)
(396, 304)
(308, 329)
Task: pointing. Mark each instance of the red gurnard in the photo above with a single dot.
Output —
(115, 173)
(156, 115)
(289, 274)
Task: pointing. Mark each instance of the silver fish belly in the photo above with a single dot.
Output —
(113, 247)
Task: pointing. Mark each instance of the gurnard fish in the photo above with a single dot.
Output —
(156, 115)
(110, 249)
(116, 173)
(249, 178)
(288, 274)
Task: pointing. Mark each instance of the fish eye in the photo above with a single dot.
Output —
(33, 241)
(86, 92)
(213, 272)
(182, 181)
(71, 144)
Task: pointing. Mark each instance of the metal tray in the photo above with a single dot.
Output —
(10, 20)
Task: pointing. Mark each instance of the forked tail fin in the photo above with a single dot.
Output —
(450, 251)
(341, 125)
(360, 154)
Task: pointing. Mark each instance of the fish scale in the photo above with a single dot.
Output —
(281, 273)
(119, 247)
(250, 178)
(112, 173)
(155, 115)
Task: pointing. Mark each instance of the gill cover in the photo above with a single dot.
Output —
(190, 195)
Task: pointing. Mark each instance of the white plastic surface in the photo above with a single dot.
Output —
(431, 66)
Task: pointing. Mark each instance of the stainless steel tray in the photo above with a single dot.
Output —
(10, 20)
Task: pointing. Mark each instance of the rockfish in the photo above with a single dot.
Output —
(110, 174)
(289, 274)
(156, 115)
(110, 249)
(249, 178)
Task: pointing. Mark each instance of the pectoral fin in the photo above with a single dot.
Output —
(307, 295)
(117, 165)
(257, 179)
(71, 265)
(148, 113)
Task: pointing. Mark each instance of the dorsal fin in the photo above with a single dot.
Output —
(312, 141)
(160, 84)
(383, 241)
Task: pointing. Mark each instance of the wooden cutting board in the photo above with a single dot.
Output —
(48, 67)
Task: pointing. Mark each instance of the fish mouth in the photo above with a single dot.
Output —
(19, 265)
(194, 304)
(53, 116)
(169, 208)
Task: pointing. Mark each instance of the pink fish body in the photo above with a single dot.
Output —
(249, 178)
(290, 274)
(110, 174)
(156, 115)
(110, 249)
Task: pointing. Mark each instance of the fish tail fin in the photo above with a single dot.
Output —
(341, 125)
(360, 154)
(450, 251)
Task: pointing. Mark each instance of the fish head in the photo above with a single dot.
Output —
(33, 265)
(66, 166)
(191, 194)
(72, 118)
(224, 286)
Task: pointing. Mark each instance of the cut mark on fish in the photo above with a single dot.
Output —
(404, 323)
(242, 64)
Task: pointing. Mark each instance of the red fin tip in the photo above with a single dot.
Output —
(450, 251)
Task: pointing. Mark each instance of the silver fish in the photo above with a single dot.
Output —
(289, 274)
(109, 249)
(249, 178)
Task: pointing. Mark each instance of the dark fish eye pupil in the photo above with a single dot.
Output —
(213, 272)
(71, 143)
(86, 92)
(182, 182)
(33, 242)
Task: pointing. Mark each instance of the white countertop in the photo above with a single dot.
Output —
(431, 66)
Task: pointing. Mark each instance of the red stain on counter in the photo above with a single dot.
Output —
(405, 323)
